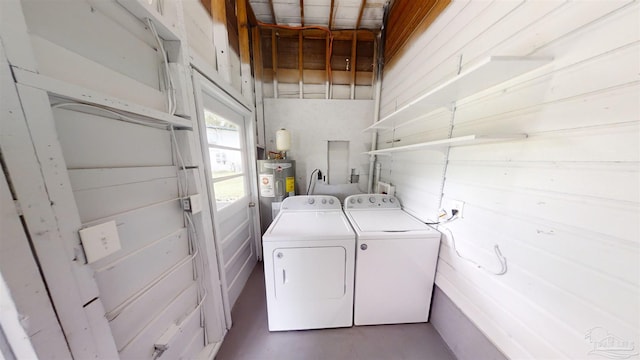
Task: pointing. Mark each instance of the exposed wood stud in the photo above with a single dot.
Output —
(331, 8)
(301, 12)
(273, 12)
(220, 38)
(328, 66)
(245, 52)
(354, 45)
(274, 60)
(300, 63)
(259, 78)
(362, 6)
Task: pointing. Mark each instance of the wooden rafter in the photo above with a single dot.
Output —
(245, 51)
(331, 8)
(273, 12)
(274, 60)
(363, 4)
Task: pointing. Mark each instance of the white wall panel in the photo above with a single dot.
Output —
(563, 204)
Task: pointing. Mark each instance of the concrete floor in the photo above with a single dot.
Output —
(250, 339)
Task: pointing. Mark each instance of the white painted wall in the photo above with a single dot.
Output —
(80, 167)
(312, 123)
(563, 205)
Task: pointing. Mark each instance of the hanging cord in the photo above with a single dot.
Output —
(312, 179)
(171, 94)
(198, 264)
(496, 249)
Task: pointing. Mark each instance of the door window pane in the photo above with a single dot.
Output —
(222, 132)
(228, 191)
(225, 162)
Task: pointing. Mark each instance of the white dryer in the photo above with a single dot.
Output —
(395, 261)
(309, 259)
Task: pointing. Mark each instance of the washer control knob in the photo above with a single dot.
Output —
(359, 200)
(372, 199)
(279, 255)
(352, 201)
(324, 201)
(311, 200)
(363, 246)
(331, 201)
(392, 200)
(384, 200)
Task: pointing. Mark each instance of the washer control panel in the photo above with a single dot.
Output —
(311, 202)
(371, 201)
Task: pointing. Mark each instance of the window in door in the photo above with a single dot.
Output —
(225, 142)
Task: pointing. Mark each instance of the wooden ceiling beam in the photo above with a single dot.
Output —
(273, 12)
(331, 8)
(362, 6)
(363, 34)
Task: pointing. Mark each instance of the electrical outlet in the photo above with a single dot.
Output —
(450, 204)
(100, 241)
(457, 205)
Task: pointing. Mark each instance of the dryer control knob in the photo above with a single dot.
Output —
(392, 200)
(331, 201)
(363, 246)
(324, 201)
(384, 200)
(359, 200)
(372, 199)
(279, 255)
(352, 201)
(311, 200)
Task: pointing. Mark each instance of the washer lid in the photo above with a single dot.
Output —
(388, 221)
(309, 225)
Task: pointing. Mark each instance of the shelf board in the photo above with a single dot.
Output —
(80, 94)
(492, 71)
(456, 141)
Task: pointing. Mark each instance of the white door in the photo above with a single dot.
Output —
(226, 130)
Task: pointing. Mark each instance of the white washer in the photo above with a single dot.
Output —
(309, 260)
(395, 261)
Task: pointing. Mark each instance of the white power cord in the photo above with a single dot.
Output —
(171, 95)
(496, 249)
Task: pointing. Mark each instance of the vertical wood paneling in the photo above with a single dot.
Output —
(563, 204)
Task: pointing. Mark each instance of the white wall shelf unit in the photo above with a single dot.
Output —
(491, 71)
(456, 141)
(80, 94)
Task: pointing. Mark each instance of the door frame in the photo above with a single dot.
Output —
(203, 84)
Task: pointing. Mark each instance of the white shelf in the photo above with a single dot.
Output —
(80, 94)
(456, 141)
(492, 71)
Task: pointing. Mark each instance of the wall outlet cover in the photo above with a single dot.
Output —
(100, 241)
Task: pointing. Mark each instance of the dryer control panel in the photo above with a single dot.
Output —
(371, 201)
(311, 202)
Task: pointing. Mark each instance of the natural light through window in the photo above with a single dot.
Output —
(225, 153)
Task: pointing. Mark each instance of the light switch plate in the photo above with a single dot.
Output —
(100, 241)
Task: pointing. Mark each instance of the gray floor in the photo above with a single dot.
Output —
(249, 338)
